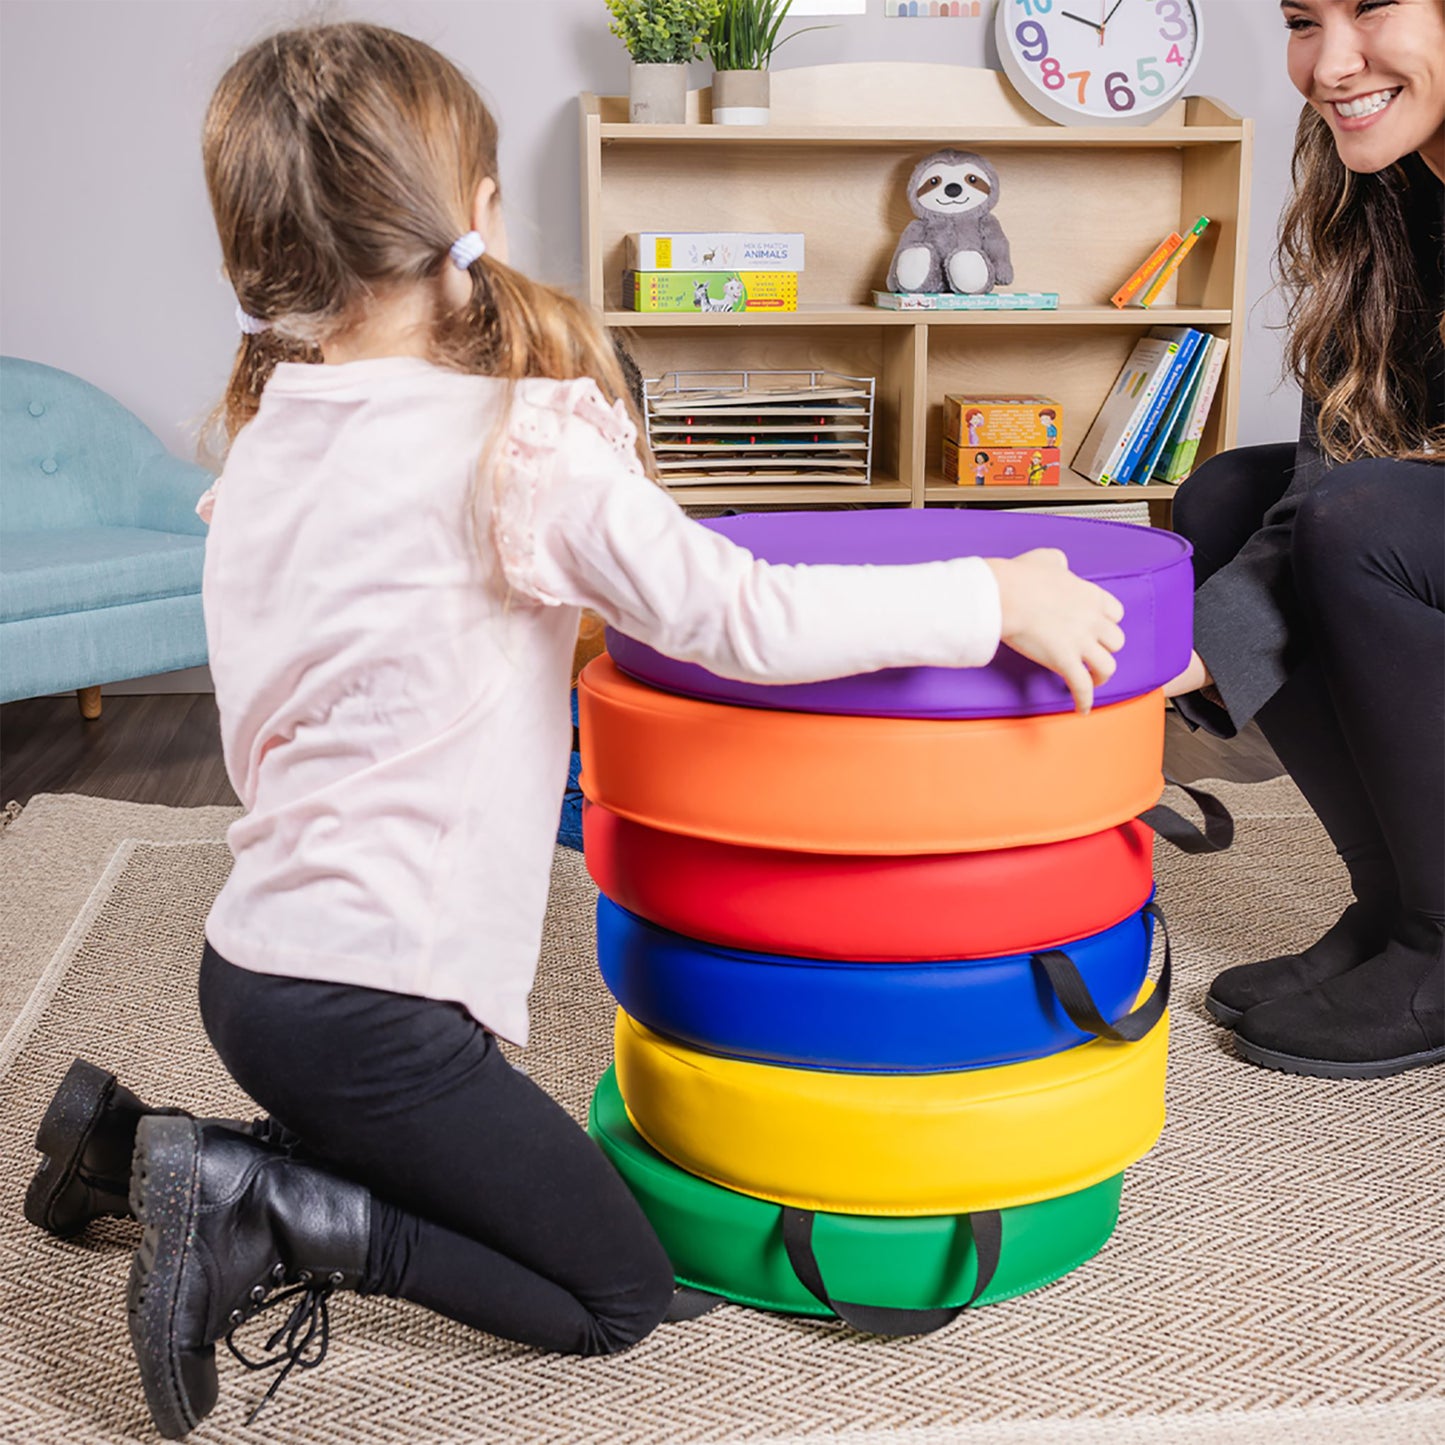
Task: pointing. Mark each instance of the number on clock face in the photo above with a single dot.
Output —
(1104, 59)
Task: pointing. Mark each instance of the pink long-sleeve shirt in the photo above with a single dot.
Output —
(391, 630)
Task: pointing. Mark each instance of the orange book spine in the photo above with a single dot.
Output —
(1162, 253)
(1174, 262)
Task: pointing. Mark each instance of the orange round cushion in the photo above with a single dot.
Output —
(821, 783)
(870, 908)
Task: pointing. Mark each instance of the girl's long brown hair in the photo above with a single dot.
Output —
(342, 161)
(1360, 329)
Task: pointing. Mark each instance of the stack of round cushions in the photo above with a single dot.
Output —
(885, 1042)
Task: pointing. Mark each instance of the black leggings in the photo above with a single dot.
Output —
(490, 1205)
(1360, 721)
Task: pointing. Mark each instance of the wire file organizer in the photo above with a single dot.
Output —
(735, 427)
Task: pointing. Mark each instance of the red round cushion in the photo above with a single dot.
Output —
(874, 909)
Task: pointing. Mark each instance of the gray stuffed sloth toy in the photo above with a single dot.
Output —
(955, 244)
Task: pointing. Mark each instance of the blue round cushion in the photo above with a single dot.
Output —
(825, 1014)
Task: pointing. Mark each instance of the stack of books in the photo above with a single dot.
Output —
(956, 301)
(1149, 427)
(1147, 284)
(712, 271)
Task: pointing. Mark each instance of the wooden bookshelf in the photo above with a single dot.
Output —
(1081, 206)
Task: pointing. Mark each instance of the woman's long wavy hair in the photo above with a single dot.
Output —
(342, 161)
(1360, 328)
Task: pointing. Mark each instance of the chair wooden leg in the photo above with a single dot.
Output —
(89, 701)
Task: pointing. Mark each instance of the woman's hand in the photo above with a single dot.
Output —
(1195, 676)
(1058, 620)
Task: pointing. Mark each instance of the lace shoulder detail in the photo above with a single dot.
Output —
(542, 412)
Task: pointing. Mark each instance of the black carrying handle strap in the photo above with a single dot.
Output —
(987, 1227)
(1076, 1000)
(1216, 835)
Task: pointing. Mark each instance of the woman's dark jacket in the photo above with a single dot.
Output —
(1245, 616)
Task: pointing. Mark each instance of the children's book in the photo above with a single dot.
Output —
(1175, 261)
(1124, 408)
(1161, 253)
(1144, 472)
(1177, 460)
(1186, 341)
(950, 301)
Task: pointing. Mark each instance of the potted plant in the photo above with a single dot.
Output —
(661, 36)
(740, 45)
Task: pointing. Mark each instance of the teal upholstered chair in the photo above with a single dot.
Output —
(100, 546)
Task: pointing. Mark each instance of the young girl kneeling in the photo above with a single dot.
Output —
(434, 468)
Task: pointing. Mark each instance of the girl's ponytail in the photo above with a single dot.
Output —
(515, 327)
(343, 161)
(257, 357)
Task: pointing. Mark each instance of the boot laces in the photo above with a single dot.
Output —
(299, 1342)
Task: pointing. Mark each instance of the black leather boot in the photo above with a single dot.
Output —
(1381, 1018)
(1360, 933)
(228, 1224)
(86, 1139)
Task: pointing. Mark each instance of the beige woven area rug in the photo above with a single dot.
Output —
(1278, 1272)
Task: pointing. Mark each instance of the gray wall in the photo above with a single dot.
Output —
(108, 264)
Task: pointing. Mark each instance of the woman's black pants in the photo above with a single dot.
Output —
(1360, 721)
(490, 1205)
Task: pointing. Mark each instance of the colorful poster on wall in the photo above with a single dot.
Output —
(931, 9)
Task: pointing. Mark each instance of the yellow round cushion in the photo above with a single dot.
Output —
(829, 783)
(900, 1144)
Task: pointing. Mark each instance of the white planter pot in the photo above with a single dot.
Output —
(658, 94)
(740, 97)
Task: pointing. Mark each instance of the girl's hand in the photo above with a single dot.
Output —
(1058, 620)
(1195, 676)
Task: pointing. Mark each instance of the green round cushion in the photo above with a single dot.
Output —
(731, 1244)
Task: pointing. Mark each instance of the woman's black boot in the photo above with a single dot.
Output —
(1360, 933)
(86, 1138)
(231, 1226)
(1381, 1018)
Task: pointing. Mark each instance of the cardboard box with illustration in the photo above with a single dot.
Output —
(1002, 421)
(715, 251)
(1000, 466)
(710, 290)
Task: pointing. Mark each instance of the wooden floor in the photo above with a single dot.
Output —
(166, 749)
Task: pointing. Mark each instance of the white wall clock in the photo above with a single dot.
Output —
(1099, 62)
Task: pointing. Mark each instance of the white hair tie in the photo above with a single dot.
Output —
(466, 249)
(250, 325)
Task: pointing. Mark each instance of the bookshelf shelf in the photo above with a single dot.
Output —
(932, 138)
(814, 169)
(883, 491)
(1073, 488)
(816, 314)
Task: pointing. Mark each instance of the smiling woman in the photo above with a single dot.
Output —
(1369, 157)
(1374, 71)
(1320, 567)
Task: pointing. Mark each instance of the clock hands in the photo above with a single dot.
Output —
(1094, 25)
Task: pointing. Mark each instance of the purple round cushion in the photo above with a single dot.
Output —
(1147, 569)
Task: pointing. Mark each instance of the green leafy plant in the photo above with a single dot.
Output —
(663, 32)
(745, 33)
